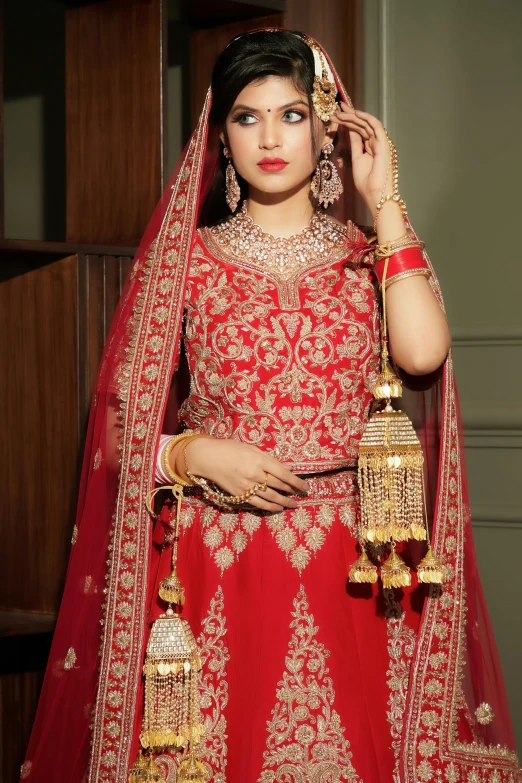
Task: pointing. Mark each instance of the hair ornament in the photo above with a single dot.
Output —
(325, 89)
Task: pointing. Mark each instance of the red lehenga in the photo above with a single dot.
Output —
(305, 678)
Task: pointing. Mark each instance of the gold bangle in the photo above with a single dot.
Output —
(404, 275)
(387, 249)
(165, 459)
(221, 498)
(181, 465)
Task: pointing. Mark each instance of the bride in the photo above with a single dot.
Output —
(241, 372)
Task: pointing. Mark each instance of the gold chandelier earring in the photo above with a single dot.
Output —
(232, 190)
(326, 183)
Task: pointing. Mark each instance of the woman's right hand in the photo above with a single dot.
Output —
(235, 467)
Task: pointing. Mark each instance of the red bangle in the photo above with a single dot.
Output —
(399, 262)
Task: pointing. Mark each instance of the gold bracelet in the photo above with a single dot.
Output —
(403, 275)
(181, 464)
(387, 249)
(165, 459)
(221, 498)
(394, 195)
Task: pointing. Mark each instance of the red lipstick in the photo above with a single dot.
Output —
(272, 164)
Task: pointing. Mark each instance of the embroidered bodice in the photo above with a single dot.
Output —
(285, 360)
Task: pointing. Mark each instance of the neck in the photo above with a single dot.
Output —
(281, 214)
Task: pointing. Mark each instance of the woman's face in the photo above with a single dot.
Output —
(269, 135)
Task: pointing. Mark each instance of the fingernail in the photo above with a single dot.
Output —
(294, 503)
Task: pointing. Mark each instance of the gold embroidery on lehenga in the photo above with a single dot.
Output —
(401, 645)
(305, 738)
(299, 533)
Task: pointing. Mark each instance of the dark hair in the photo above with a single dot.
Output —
(247, 58)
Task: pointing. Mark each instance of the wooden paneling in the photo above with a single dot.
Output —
(38, 388)
(54, 317)
(2, 207)
(115, 60)
(206, 45)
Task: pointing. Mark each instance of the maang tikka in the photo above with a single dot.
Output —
(232, 189)
(326, 183)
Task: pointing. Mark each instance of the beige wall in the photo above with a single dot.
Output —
(445, 78)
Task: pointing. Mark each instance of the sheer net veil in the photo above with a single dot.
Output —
(456, 717)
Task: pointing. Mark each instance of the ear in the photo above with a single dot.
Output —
(222, 138)
(329, 133)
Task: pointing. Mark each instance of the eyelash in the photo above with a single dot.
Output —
(239, 117)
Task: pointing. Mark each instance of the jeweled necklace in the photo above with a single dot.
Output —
(240, 237)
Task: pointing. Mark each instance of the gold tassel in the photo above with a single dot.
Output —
(363, 570)
(171, 715)
(391, 472)
(145, 770)
(191, 770)
(430, 570)
(138, 769)
(394, 571)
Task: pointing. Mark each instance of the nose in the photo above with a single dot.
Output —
(270, 136)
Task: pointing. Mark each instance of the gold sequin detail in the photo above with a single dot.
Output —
(70, 659)
(305, 737)
(484, 713)
(97, 459)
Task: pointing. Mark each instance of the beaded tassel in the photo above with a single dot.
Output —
(391, 481)
(363, 570)
(394, 571)
(171, 715)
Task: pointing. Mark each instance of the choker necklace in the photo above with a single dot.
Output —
(243, 239)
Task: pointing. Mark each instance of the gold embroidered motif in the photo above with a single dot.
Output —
(74, 535)
(97, 460)
(25, 769)
(484, 713)
(292, 377)
(401, 645)
(305, 737)
(300, 533)
(214, 690)
(70, 659)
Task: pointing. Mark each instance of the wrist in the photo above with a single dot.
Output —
(196, 456)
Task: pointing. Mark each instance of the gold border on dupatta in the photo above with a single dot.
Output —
(437, 668)
(150, 359)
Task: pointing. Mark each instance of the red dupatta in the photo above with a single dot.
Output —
(456, 724)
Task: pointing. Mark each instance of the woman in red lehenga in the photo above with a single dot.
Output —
(305, 677)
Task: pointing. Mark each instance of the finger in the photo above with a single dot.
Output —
(374, 123)
(264, 505)
(356, 144)
(278, 484)
(360, 125)
(278, 470)
(274, 497)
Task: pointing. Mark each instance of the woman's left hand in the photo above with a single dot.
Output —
(371, 157)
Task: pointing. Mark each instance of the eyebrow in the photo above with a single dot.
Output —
(297, 102)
